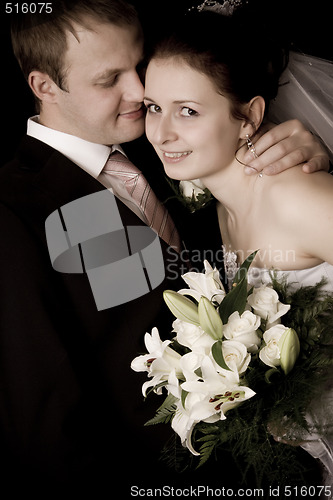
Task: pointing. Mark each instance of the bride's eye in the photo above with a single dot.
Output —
(153, 108)
(185, 111)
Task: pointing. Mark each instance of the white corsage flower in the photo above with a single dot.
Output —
(270, 354)
(243, 329)
(208, 284)
(264, 300)
(192, 188)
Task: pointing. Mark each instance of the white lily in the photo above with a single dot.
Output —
(159, 361)
(155, 347)
(190, 364)
(206, 284)
(187, 415)
(218, 393)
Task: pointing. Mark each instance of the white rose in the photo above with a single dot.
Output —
(190, 188)
(265, 302)
(192, 336)
(270, 353)
(243, 329)
(236, 356)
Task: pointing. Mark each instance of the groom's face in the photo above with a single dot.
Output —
(102, 100)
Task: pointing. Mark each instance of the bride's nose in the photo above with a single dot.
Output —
(162, 131)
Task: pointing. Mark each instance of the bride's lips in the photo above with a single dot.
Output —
(174, 156)
(133, 114)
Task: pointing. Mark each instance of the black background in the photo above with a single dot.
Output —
(307, 25)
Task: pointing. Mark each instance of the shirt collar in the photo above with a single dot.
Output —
(89, 156)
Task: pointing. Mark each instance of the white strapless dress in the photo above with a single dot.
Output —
(320, 447)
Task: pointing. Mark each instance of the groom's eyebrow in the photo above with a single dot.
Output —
(108, 73)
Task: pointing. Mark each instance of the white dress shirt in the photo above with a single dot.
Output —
(89, 156)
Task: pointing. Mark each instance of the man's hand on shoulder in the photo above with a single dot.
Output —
(284, 146)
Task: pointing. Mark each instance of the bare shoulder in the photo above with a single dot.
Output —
(295, 195)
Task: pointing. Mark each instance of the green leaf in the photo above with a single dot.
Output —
(218, 355)
(242, 271)
(269, 374)
(165, 412)
(183, 397)
(209, 442)
(236, 299)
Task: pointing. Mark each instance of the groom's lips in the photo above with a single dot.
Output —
(133, 114)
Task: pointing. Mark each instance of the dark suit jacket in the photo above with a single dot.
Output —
(71, 409)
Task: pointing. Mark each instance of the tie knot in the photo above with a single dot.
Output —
(118, 163)
(136, 185)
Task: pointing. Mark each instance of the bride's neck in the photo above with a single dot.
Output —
(234, 189)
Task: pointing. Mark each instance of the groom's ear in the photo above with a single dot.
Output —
(255, 110)
(42, 86)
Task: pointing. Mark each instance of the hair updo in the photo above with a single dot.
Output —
(225, 49)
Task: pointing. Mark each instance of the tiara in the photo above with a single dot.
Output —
(226, 8)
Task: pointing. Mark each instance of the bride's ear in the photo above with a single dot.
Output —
(255, 110)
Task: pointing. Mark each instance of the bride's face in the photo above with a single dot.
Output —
(188, 122)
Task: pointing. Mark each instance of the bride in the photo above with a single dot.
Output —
(206, 97)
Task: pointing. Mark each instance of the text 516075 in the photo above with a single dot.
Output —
(25, 8)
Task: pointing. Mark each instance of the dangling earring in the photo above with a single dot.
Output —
(252, 149)
(250, 146)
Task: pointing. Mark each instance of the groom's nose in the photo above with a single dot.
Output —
(133, 88)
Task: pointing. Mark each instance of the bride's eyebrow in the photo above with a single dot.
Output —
(178, 101)
(187, 101)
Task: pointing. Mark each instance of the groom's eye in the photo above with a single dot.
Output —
(111, 82)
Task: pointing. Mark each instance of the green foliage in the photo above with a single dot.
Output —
(165, 412)
(281, 402)
(235, 300)
(192, 203)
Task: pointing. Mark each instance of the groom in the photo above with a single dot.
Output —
(71, 410)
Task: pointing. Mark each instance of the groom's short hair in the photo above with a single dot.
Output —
(40, 39)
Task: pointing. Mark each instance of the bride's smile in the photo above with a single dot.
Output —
(174, 157)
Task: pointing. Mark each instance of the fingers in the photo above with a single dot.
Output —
(278, 158)
(285, 146)
(277, 135)
(319, 162)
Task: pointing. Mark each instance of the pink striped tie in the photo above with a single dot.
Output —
(157, 216)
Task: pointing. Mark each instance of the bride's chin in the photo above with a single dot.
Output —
(176, 174)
